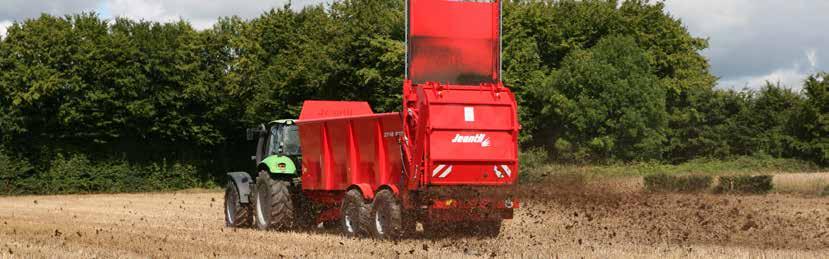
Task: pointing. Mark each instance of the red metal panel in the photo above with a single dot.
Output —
(472, 136)
(312, 137)
(483, 117)
(343, 151)
(483, 146)
(454, 41)
(313, 109)
(337, 177)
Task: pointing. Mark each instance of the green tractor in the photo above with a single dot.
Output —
(273, 199)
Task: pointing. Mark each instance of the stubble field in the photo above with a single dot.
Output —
(605, 219)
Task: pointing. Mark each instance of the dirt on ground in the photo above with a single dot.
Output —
(607, 220)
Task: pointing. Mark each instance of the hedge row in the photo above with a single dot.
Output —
(673, 183)
(77, 174)
(759, 184)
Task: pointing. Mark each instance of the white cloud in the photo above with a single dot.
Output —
(142, 9)
(718, 15)
(756, 40)
(789, 77)
(792, 77)
(201, 14)
(18, 10)
(812, 56)
(4, 26)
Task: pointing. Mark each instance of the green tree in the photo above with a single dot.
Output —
(810, 124)
(765, 123)
(706, 128)
(607, 103)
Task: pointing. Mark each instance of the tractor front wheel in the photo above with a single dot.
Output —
(274, 206)
(237, 215)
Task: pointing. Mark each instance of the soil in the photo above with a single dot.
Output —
(610, 220)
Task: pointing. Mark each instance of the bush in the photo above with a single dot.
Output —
(673, 183)
(531, 163)
(12, 170)
(825, 191)
(171, 177)
(759, 184)
(77, 174)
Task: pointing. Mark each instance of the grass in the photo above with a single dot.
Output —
(738, 166)
(790, 175)
(802, 183)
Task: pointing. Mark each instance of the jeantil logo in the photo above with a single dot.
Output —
(477, 139)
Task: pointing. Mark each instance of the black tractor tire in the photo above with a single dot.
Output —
(237, 215)
(386, 216)
(274, 208)
(355, 214)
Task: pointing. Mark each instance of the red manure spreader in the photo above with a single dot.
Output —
(448, 159)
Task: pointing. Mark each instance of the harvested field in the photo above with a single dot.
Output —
(613, 219)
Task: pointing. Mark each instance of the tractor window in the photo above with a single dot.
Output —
(273, 145)
(290, 143)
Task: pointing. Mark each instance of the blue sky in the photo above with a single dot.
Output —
(751, 41)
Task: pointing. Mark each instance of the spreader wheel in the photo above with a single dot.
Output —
(274, 207)
(237, 215)
(387, 217)
(355, 214)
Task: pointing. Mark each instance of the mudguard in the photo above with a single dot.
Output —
(272, 163)
(242, 181)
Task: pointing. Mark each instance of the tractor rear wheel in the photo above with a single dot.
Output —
(355, 214)
(387, 216)
(274, 206)
(237, 215)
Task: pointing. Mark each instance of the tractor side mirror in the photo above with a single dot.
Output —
(251, 133)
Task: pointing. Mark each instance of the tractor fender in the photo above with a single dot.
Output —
(365, 189)
(242, 181)
(270, 163)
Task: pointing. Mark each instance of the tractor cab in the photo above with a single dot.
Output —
(278, 150)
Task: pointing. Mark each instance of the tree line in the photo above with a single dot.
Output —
(90, 101)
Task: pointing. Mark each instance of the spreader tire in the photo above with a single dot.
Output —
(355, 214)
(386, 217)
(273, 205)
(237, 215)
